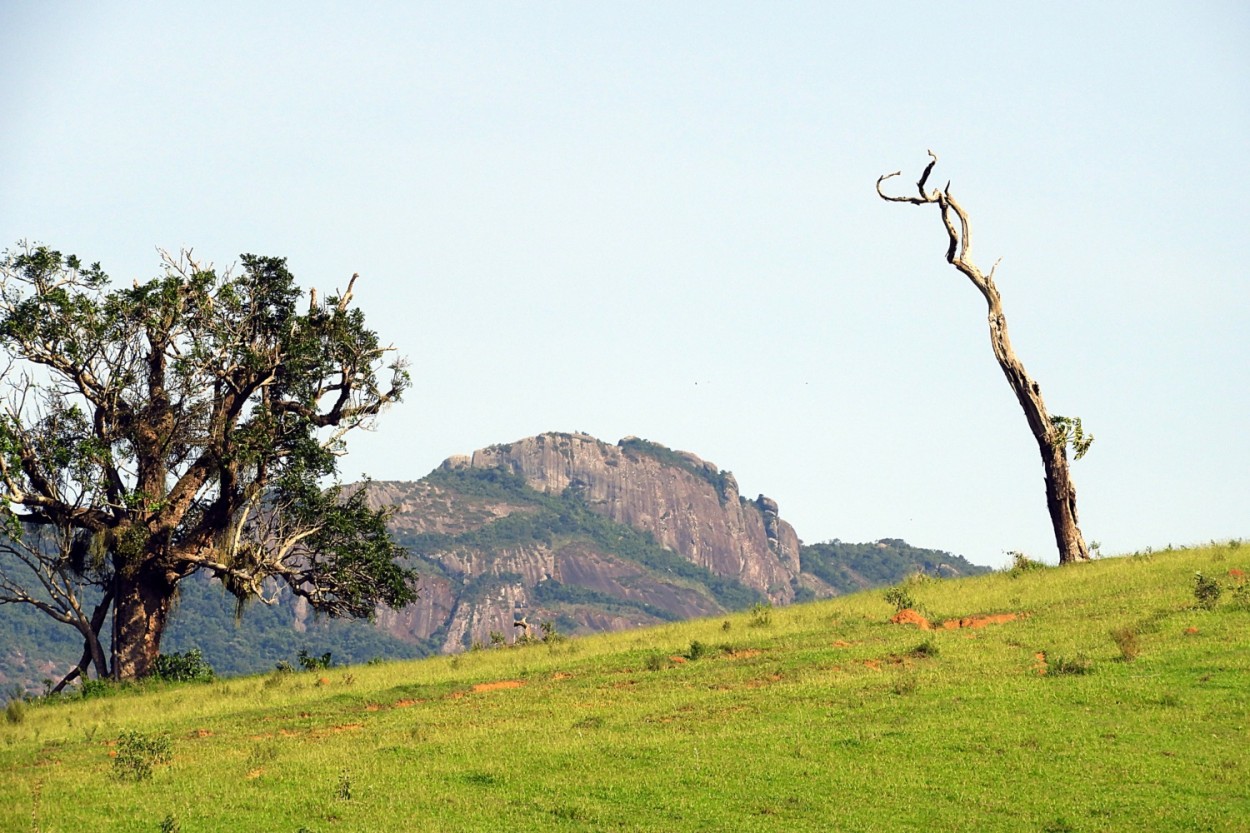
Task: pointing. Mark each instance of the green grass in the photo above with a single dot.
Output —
(826, 717)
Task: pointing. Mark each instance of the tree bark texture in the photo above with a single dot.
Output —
(143, 601)
(1051, 441)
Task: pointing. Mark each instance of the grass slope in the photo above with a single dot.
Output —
(815, 717)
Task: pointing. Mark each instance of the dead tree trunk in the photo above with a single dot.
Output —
(1053, 433)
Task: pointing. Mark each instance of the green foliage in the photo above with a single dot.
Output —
(15, 711)
(185, 667)
(309, 662)
(698, 650)
(137, 753)
(181, 423)
(170, 824)
(761, 615)
(899, 597)
(344, 790)
(1078, 665)
(1207, 591)
(926, 650)
(1067, 431)
(1021, 564)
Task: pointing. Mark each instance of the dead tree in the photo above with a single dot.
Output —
(1053, 433)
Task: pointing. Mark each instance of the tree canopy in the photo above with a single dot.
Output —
(191, 422)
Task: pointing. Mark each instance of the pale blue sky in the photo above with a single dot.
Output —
(659, 219)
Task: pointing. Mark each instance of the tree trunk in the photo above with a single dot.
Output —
(1052, 442)
(145, 595)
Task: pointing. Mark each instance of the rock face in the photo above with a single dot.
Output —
(511, 531)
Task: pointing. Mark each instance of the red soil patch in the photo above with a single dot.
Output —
(256, 773)
(677, 659)
(201, 733)
(873, 664)
(496, 686)
(763, 681)
(403, 704)
(560, 675)
(842, 644)
(1040, 666)
(743, 654)
(980, 621)
(907, 616)
(1191, 630)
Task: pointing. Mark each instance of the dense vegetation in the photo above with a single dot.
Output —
(1115, 699)
(850, 567)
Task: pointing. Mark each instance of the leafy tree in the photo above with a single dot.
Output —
(187, 423)
(1053, 433)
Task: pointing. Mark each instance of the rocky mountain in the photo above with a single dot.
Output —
(590, 536)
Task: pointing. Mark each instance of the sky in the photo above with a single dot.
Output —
(659, 219)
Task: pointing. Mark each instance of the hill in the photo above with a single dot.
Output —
(1102, 696)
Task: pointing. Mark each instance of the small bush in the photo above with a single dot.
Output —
(925, 650)
(761, 615)
(656, 662)
(900, 598)
(1207, 591)
(1021, 564)
(95, 688)
(1126, 640)
(697, 650)
(137, 753)
(170, 824)
(344, 791)
(15, 711)
(1074, 666)
(185, 667)
(311, 663)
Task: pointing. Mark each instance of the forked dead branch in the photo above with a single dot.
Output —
(1053, 433)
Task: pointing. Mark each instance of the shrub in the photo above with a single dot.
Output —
(1126, 640)
(1207, 591)
(900, 598)
(697, 650)
(1021, 564)
(312, 663)
(137, 753)
(1077, 666)
(656, 662)
(925, 649)
(761, 615)
(95, 688)
(183, 667)
(15, 711)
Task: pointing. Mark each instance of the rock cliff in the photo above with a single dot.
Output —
(591, 536)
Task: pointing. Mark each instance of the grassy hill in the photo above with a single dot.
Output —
(1114, 700)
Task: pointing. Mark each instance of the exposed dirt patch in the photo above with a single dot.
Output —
(346, 727)
(873, 664)
(759, 682)
(201, 733)
(980, 621)
(678, 659)
(744, 653)
(406, 703)
(1039, 664)
(841, 643)
(256, 773)
(496, 686)
(1191, 631)
(561, 675)
(907, 616)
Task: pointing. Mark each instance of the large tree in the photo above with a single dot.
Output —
(190, 422)
(1053, 434)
